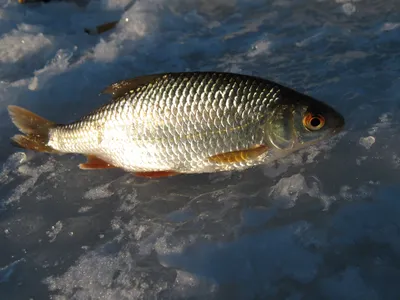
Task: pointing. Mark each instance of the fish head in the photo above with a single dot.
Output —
(299, 121)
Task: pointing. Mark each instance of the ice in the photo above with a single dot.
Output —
(28, 184)
(261, 47)
(98, 192)
(17, 52)
(188, 285)
(287, 190)
(7, 271)
(321, 223)
(349, 8)
(367, 142)
(84, 209)
(390, 26)
(10, 165)
(55, 230)
(349, 285)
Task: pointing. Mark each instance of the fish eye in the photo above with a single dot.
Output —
(313, 122)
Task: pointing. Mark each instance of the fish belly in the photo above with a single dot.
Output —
(141, 147)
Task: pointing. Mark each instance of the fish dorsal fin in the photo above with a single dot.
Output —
(123, 87)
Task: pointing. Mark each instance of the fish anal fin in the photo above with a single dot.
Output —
(239, 156)
(123, 87)
(95, 163)
(156, 174)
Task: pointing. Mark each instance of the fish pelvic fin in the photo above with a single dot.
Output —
(35, 130)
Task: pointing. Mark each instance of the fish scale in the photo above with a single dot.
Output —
(189, 122)
(197, 137)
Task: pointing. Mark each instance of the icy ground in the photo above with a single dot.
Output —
(323, 224)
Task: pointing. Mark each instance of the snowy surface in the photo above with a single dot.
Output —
(322, 224)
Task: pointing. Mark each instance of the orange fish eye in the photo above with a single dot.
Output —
(313, 122)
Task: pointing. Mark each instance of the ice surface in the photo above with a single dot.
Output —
(55, 230)
(320, 224)
(367, 141)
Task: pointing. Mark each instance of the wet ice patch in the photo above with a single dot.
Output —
(348, 56)
(260, 48)
(349, 8)
(384, 122)
(310, 40)
(396, 160)
(7, 271)
(10, 165)
(54, 231)
(113, 271)
(348, 285)
(367, 142)
(189, 285)
(376, 220)
(33, 174)
(251, 264)
(84, 209)
(390, 26)
(348, 193)
(93, 276)
(99, 192)
(289, 189)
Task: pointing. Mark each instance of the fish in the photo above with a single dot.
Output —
(166, 124)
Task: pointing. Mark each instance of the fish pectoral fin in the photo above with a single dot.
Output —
(239, 156)
(156, 174)
(94, 163)
(123, 87)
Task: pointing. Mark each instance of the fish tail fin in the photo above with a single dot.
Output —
(35, 130)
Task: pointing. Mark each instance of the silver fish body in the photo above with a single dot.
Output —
(188, 122)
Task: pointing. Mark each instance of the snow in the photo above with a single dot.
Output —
(320, 224)
(367, 141)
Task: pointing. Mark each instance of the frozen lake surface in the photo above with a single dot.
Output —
(321, 224)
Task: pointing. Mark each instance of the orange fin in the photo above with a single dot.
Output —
(156, 174)
(95, 163)
(123, 87)
(239, 156)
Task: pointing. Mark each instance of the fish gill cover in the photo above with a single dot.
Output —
(320, 224)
